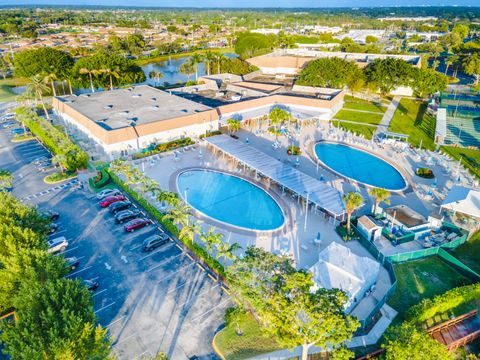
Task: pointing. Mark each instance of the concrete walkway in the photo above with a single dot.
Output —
(388, 116)
(388, 314)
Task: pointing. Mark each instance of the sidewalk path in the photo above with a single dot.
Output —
(388, 116)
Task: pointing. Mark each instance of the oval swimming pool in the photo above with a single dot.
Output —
(360, 166)
(230, 199)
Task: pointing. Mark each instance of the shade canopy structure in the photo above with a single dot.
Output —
(338, 267)
(463, 200)
(318, 193)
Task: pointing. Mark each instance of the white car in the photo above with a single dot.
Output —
(57, 244)
(107, 192)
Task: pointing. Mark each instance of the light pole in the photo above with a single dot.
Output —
(306, 212)
(185, 195)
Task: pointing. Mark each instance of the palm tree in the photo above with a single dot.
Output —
(211, 239)
(178, 214)
(189, 230)
(209, 58)
(233, 125)
(278, 116)
(157, 75)
(380, 195)
(90, 73)
(60, 160)
(37, 87)
(169, 197)
(219, 57)
(6, 179)
(187, 69)
(226, 250)
(50, 78)
(352, 201)
(195, 60)
(115, 72)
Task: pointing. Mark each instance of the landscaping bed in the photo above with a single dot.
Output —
(58, 177)
(425, 173)
(168, 146)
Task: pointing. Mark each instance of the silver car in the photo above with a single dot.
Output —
(108, 192)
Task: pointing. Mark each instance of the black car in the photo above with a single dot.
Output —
(119, 206)
(53, 227)
(91, 284)
(126, 215)
(155, 241)
(72, 263)
(50, 215)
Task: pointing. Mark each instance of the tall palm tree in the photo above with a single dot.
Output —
(209, 58)
(278, 116)
(187, 69)
(196, 60)
(157, 75)
(91, 74)
(226, 250)
(112, 73)
(178, 214)
(352, 201)
(50, 78)
(37, 88)
(60, 160)
(211, 239)
(219, 58)
(233, 125)
(169, 197)
(190, 230)
(380, 195)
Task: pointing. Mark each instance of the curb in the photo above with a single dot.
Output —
(16, 141)
(57, 181)
(216, 349)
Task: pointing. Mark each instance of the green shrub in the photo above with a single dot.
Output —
(57, 177)
(210, 133)
(425, 173)
(294, 150)
(102, 179)
(443, 303)
(171, 145)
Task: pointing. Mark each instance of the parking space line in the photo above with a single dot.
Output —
(79, 271)
(189, 256)
(106, 306)
(135, 247)
(115, 321)
(200, 267)
(196, 296)
(211, 277)
(166, 261)
(211, 309)
(183, 284)
(99, 292)
(175, 272)
(178, 246)
(161, 249)
(125, 339)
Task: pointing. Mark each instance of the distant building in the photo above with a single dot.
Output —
(416, 18)
(266, 31)
(360, 36)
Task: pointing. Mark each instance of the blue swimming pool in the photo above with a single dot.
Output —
(230, 199)
(360, 166)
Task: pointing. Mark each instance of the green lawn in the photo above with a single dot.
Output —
(360, 104)
(411, 119)
(366, 130)
(470, 158)
(359, 117)
(469, 252)
(250, 344)
(421, 279)
(6, 94)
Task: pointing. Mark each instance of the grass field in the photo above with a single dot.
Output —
(420, 279)
(360, 104)
(411, 119)
(360, 117)
(470, 158)
(6, 94)
(251, 343)
(365, 130)
(469, 253)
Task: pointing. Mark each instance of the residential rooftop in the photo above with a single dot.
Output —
(133, 106)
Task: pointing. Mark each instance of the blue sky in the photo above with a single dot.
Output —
(244, 3)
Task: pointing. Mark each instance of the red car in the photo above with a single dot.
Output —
(136, 224)
(110, 200)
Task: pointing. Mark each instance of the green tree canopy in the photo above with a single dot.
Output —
(252, 44)
(471, 64)
(128, 72)
(428, 81)
(42, 61)
(387, 74)
(281, 296)
(462, 30)
(329, 72)
(406, 342)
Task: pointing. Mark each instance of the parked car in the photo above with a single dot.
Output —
(53, 228)
(108, 192)
(72, 263)
(126, 215)
(9, 124)
(50, 215)
(155, 241)
(58, 244)
(6, 117)
(137, 223)
(119, 206)
(46, 167)
(91, 284)
(40, 160)
(19, 131)
(110, 200)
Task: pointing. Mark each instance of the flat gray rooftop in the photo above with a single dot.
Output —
(136, 105)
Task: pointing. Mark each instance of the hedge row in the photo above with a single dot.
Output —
(440, 304)
(195, 248)
(54, 139)
(102, 179)
(168, 146)
(210, 133)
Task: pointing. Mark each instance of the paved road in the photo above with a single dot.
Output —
(149, 302)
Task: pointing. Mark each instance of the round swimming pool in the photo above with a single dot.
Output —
(230, 199)
(360, 166)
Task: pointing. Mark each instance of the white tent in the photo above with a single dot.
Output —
(463, 200)
(338, 267)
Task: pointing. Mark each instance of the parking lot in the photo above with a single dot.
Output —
(156, 301)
